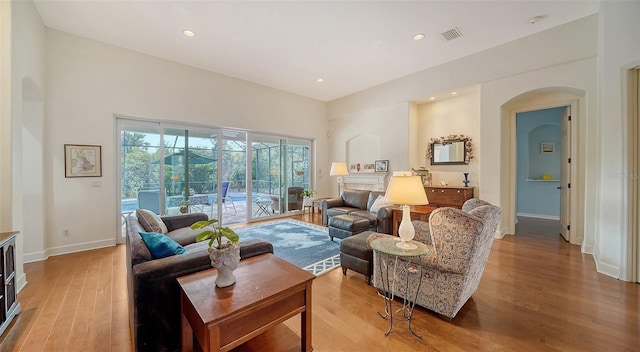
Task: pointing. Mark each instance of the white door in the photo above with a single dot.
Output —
(565, 174)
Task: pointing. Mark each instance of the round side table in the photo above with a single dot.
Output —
(386, 246)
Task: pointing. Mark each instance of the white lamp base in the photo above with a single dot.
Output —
(406, 230)
(406, 245)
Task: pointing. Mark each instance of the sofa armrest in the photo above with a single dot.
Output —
(385, 219)
(332, 202)
(327, 204)
(184, 220)
(385, 212)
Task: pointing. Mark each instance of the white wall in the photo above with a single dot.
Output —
(390, 124)
(502, 73)
(458, 115)
(24, 98)
(619, 50)
(88, 82)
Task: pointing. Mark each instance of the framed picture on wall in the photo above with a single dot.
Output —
(82, 160)
(382, 165)
(546, 147)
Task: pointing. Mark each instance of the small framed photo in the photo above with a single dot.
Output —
(546, 147)
(82, 160)
(382, 165)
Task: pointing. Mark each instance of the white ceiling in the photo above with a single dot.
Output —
(289, 45)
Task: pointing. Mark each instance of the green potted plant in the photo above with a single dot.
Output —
(308, 193)
(307, 197)
(224, 255)
(184, 206)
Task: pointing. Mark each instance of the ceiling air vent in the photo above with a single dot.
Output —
(451, 34)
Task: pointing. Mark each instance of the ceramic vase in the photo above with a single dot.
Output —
(226, 261)
(466, 179)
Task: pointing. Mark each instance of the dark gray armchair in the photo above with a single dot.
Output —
(294, 199)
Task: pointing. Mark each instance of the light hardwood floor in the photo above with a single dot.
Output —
(538, 293)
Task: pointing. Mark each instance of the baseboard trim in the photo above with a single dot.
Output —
(539, 216)
(34, 257)
(606, 269)
(78, 247)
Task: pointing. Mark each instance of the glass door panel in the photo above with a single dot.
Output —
(233, 173)
(298, 171)
(139, 168)
(165, 168)
(190, 171)
(266, 176)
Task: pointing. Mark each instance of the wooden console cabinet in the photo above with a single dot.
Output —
(9, 305)
(448, 196)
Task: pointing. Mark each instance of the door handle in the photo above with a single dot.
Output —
(559, 187)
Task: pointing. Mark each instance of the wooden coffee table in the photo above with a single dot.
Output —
(418, 212)
(268, 291)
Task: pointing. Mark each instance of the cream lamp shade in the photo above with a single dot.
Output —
(338, 169)
(406, 191)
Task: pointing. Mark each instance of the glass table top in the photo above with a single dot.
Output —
(388, 245)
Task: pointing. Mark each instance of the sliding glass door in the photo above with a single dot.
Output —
(139, 168)
(267, 170)
(190, 169)
(230, 175)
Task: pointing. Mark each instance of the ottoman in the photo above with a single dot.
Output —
(356, 255)
(343, 226)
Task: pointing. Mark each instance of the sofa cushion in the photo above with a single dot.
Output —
(373, 196)
(161, 245)
(355, 198)
(365, 214)
(381, 201)
(184, 235)
(150, 221)
(339, 211)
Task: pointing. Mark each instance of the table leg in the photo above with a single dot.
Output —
(187, 335)
(212, 342)
(389, 295)
(305, 323)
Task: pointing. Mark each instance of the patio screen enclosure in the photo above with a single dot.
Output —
(166, 167)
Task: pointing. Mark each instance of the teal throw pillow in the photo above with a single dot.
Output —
(160, 245)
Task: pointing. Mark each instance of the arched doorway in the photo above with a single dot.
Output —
(539, 99)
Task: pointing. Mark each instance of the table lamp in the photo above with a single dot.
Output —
(339, 169)
(406, 190)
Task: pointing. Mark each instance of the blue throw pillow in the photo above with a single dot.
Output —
(160, 245)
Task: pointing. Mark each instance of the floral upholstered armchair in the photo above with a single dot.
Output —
(459, 243)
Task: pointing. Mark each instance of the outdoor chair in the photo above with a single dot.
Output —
(226, 201)
(149, 199)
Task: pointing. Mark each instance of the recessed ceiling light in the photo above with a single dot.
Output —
(319, 80)
(454, 93)
(189, 33)
(432, 98)
(418, 36)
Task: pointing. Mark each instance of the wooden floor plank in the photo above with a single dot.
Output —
(538, 293)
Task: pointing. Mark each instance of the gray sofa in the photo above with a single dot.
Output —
(358, 203)
(153, 292)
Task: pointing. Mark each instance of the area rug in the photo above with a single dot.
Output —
(300, 243)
